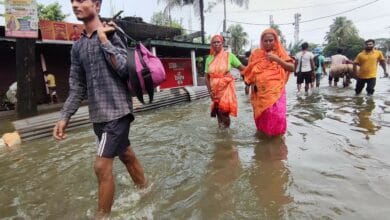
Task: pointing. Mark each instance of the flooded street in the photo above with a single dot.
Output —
(333, 163)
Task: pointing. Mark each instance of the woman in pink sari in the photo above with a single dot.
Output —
(267, 72)
(220, 82)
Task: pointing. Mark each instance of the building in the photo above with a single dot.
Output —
(53, 54)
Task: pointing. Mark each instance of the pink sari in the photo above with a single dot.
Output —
(273, 120)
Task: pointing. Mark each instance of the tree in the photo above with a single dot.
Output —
(238, 38)
(281, 37)
(294, 48)
(343, 34)
(51, 12)
(198, 7)
(341, 30)
(159, 18)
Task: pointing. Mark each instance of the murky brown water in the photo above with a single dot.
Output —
(332, 164)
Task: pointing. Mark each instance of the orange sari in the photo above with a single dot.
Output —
(270, 79)
(222, 84)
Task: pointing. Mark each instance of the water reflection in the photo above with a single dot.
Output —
(310, 108)
(270, 177)
(364, 108)
(217, 201)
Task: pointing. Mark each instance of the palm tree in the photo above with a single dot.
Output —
(171, 4)
(343, 34)
(198, 7)
(294, 48)
(281, 37)
(238, 38)
(341, 30)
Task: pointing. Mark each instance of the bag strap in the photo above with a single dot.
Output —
(133, 76)
(122, 32)
(300, 62)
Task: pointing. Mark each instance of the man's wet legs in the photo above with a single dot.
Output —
(370, 86)
(103, 171)
(359, 86)
(134, 168)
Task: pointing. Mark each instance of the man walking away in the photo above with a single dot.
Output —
(304, 67)
(98, 71)
(319, 63)
(368, 61)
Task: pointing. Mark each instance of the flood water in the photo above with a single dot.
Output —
(333, 163)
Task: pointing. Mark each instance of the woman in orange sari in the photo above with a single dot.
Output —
(267, 72)
(220, 82)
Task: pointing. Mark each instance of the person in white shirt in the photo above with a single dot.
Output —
(304, 67)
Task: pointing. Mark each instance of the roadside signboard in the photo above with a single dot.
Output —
(178, 72)
(60, 31)
(21, 18)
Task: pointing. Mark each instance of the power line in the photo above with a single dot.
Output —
(294, 8)
(327, 27)
(310, 20)
(346, 11)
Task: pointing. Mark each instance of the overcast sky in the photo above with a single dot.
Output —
(371, 17)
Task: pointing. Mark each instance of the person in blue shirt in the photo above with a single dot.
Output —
(319, 63)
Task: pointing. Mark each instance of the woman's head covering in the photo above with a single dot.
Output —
(278, 47)
(215, 37)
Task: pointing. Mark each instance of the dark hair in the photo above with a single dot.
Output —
(248, 53)
(369, 40)
(304, 46)
(45, 72)
(339, 50)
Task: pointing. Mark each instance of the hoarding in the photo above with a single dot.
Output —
(178, 72)
(60, 31)
(21, 18)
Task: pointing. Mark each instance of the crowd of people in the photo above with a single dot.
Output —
(265, 74)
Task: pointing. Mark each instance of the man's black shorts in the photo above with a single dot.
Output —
(113, 136)
(304, 76)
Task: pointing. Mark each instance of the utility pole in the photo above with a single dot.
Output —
(26, 76)
(201, 8)
(297, 18)
(271, 20)
(190, 21)
(224, 15)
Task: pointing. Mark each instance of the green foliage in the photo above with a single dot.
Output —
(351, 47)
(343, 34)
(159, 18)
(294, 48)
(198, 6)
(281, 37)
(51, 12)
(238, 38)
(341, 30)
(312, 46)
